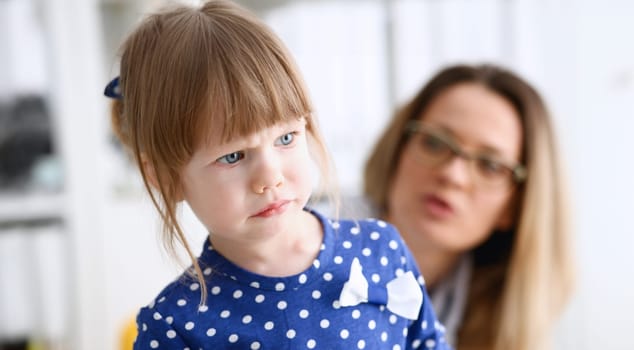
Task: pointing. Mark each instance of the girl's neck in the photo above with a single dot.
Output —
(283, 255)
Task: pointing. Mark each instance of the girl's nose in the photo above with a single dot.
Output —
(267, 174)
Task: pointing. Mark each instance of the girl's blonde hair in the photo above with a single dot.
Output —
(523, 278)
(186, 70)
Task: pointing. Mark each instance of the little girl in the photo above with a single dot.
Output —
(211, 106)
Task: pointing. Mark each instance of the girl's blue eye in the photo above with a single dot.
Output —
(231, 158)
(286, 139)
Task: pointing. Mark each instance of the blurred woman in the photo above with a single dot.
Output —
(468, 171)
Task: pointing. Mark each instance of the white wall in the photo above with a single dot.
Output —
(603, 169)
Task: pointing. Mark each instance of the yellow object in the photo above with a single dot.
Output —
(128, 335)
(35, 345)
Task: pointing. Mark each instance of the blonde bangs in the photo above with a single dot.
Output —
(223, 70)
(252, 82)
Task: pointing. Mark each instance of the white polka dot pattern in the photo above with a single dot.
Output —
(250, 311)
(344, 334)
(290, 334)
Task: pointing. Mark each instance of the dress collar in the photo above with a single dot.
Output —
(449, 297)
(215, 265)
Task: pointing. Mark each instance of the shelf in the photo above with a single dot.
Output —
(31, 209)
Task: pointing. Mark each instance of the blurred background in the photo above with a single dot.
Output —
(79, 252)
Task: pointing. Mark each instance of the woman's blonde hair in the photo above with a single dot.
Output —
(186, 70)
(523, 278)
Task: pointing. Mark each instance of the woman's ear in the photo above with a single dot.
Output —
(509, 214)
(152, 178)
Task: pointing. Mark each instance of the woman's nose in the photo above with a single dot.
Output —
(457, 171)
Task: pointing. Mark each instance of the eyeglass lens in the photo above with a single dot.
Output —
(435, 150)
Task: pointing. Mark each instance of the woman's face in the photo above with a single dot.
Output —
(451, 206)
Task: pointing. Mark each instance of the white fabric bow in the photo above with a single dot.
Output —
(402, 295)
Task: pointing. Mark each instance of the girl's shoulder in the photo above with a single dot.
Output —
(182, 293)
(357, 226)
(364, 237)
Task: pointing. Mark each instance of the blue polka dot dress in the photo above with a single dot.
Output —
(249, 311)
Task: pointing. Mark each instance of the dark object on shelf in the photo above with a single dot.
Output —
(25, 136)
(21, 344)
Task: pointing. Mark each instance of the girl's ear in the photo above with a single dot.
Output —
(152, 179)
(150, 173)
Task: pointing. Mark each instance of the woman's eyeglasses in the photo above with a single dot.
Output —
(434, 149)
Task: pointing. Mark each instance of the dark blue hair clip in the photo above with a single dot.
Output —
(113, 89)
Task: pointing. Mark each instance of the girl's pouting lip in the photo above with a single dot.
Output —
(275, 208)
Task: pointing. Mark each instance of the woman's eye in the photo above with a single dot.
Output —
(286, 139)
(231, 158)
(434, 144)
(491, 167)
